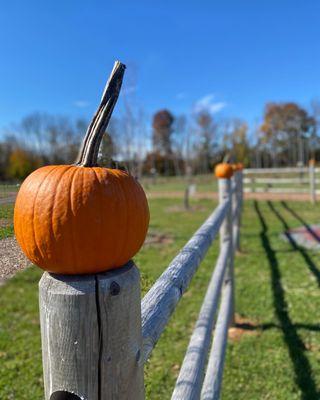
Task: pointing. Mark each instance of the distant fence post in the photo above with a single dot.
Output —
(91, 335)
(226, 233)
(312, 182)
(237, 208)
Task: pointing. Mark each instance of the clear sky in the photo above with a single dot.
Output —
(233, 56)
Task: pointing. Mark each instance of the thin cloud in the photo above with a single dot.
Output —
(181, 95)
(81, 103)
(208, 103)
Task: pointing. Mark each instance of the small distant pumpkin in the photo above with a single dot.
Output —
(82, 218)
(237, 167)
(223, 171)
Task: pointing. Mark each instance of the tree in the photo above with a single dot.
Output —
(21, 164)
(286, 130)
(162, 129)
(107, 150)
(235, 141)
(206, 146)
(162, 126)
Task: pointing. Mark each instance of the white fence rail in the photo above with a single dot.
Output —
(97, 334)
(269, 180)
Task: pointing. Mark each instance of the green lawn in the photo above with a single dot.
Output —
(204, 183)
(6, 216)
(277, 291)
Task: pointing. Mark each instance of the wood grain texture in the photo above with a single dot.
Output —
(189, 382)
(226, 233)
(91, 334)
(213, 379)
(161, 300)
(236, 210)
(121, 366)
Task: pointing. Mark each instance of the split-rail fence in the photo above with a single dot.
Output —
(97, 334)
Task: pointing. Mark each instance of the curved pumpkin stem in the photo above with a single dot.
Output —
(88, 153)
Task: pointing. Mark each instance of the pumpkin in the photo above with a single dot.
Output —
(223, 171)
(82, 218)
(237, 167)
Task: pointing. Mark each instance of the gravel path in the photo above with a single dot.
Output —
(8, 200)
(11, 259)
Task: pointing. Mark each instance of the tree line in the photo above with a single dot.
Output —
(171, 145)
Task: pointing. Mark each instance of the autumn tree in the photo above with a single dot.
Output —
(285, 131)
(162, 129)
(21, 164)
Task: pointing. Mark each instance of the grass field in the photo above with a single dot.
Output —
(277, 355)
(6, 215)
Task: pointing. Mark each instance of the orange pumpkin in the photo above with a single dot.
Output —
(237, 167)
(234, 167)
(80, 219)
(223, 171)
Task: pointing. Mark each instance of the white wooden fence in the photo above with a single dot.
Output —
(271, 180)
(97, 334)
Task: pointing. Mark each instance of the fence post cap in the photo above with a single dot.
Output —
(223, 171)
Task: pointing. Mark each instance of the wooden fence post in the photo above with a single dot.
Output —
(226, 233)
(312, 182)
(236, 212)
(253, 189)
(91, 335)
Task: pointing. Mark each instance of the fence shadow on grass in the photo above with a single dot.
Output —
(296, 347)
(311, 265)
(270, 325)
(300, 219)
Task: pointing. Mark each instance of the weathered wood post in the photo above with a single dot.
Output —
(252, 184)
(236, 204)
(186, 198)
(91, 335)
(226, 233)
(239, 177)
(312, 182)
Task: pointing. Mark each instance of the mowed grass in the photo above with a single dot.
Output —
(203, 183)
(277, 292)
(6, 217)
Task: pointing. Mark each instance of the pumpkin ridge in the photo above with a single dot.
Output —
(137, 203)
(144, 227)
(125, 233)
(34, 206)
(73, 246)
(67, 168)
(101, 210)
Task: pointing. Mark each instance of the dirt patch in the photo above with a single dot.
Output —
(4, 222)
(243, 327)
(11, 259)
(8, 200)
(180, 208)
(155, 238)
(251, 196)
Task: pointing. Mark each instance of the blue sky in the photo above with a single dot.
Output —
(233, 56)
